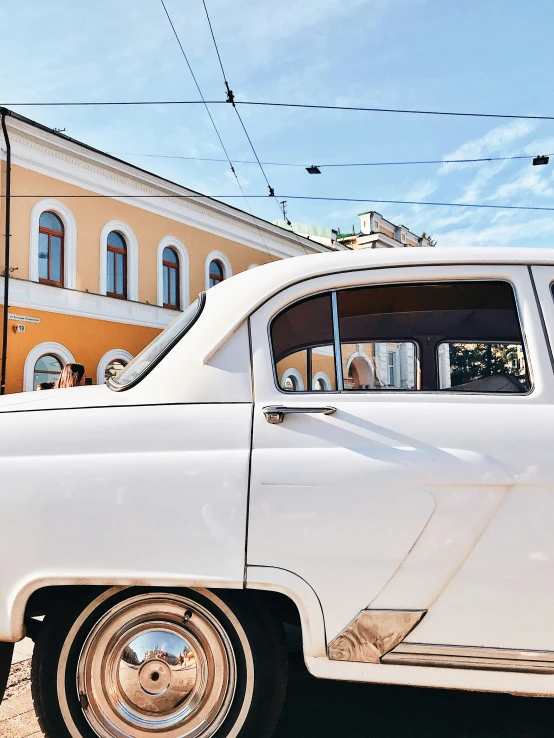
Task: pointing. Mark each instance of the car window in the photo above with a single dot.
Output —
(380, 365)
(462, 336)
(302, 340)
(483, 367)
(158, 348)
(440, 336)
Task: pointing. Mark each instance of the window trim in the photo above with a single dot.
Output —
(42, 349)
(324, 378)
(50, 232)
(132, 258)
(105, 360)
(53, 356)
(172, 266)
(69, 264)
(294, 374)
(225, 264)
(111, 249)
(152, 365)
(212, 276)
(401, 392)
(184, 288)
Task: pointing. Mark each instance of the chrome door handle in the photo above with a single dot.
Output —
(275, 413)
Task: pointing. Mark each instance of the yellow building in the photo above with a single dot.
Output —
(104, 254)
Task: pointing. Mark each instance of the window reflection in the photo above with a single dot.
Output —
(380, 365)
(482, 367)
(47, 369)
(114, 367)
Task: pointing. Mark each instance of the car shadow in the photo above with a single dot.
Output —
(327, 709)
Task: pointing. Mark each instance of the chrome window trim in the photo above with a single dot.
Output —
(112, 382)
(339, 378)
(424, 393)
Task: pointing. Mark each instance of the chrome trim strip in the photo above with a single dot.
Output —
(336, 342)
(276, 413)
(541, 316)
(373, 633)
(471, 657)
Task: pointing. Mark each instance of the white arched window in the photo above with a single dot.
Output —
(165, 272)
(321, 382)
(217, 268)
(43, 362)
(53, 238)
(361, 369)
(127, 258)
(291, 381)
(111, 363)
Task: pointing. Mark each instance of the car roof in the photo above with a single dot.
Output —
(239, 296)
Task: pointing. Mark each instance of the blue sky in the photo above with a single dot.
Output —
(488, 55)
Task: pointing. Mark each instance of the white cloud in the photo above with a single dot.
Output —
(422, 189)
(527, 182)
(540, 146)
(485, 172)
(452, 219)
(508, 234)
(270, 23)
(494, 141)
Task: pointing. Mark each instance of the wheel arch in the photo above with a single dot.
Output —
(281, 591)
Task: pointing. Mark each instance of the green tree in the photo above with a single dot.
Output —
(432, 240)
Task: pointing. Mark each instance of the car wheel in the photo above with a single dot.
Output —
(136, 663)
(6, 653)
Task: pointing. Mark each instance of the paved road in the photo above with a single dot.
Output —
(321, 709)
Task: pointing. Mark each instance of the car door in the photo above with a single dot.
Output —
(396, 464)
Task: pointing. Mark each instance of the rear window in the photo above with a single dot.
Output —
(158, 348)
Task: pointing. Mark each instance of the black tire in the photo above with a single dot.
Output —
(6, 653)
(252, 706)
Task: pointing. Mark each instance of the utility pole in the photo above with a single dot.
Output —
(283, 206)
(7, 201)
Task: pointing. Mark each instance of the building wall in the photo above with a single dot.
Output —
(94, 193)
(88, 340)
(92, 214)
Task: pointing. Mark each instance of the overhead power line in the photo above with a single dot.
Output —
(266, 103)
(328, 165)
(231, 99)
(196, 83)
(373, 200)
(214, 125)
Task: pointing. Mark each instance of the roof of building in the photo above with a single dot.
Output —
(312, 230)
(301, 241)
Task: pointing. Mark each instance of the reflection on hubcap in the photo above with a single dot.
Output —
(157, 670)
(154, 664)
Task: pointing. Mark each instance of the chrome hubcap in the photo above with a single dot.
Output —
(156, 664)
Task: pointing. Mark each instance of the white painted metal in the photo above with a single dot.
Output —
(442, 502)
(381, 503)
(421, 676)
(121, 494)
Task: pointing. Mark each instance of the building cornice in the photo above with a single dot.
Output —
(45, 298)
(56, 156)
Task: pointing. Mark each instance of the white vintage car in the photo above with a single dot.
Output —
(356, 444)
